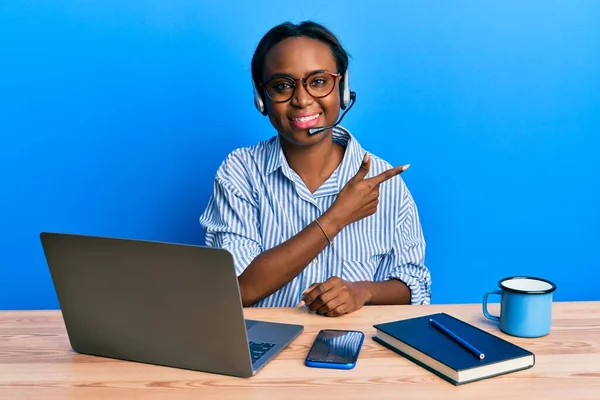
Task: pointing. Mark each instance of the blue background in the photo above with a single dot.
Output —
(114, 117)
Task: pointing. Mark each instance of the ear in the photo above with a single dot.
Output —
(258, 100)
(344, 91)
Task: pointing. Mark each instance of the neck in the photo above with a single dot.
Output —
(314, 164)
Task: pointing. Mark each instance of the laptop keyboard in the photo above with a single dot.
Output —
(259, 349)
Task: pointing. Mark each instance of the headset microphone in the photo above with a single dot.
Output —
(314, 131)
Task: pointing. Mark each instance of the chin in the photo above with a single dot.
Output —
(299, 136)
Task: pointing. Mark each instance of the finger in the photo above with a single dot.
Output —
(338, 311)
(331, 289)
(320, 304)
(374, 194)
(369, 208)
(317, 291)
(320, 288)
(364, 168)
(309, 289)
(373, 209)
(331, 304)
(389, 174)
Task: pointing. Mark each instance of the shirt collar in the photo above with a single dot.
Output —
(274, 156)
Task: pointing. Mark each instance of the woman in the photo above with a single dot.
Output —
(310, 217)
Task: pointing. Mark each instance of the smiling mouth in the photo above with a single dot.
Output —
(306, 118)
(305, 121)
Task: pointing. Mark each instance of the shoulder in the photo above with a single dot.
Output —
(378, 164)
(357, 151)
(245, 160)
(394, 192)
(395, 186)
(241, 170)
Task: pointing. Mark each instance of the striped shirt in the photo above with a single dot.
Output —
(259, 202)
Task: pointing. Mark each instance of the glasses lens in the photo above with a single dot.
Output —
(320, 84)
(280, 89)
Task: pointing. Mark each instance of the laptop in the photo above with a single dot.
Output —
(158, 303)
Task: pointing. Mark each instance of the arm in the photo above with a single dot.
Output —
(265, 274)
(401, 278)
(231, 221)
(405, 264)
(387, 292)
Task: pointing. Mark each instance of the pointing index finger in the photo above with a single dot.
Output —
(390, 173)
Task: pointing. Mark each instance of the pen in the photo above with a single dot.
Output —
(457, 339)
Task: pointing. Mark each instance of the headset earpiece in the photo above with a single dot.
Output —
(258, 100)
(344, 91)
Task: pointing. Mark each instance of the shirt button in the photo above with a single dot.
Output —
(314, 261)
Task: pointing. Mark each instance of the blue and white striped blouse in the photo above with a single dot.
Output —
(258, 202)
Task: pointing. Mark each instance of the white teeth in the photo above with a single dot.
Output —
(306, 119)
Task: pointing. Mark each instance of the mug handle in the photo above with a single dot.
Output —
(485, 302)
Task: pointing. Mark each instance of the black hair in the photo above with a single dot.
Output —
(286, 30)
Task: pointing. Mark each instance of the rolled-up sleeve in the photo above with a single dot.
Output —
(406, 260)
(230, 220)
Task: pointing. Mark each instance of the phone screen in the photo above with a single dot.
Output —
(336, 347)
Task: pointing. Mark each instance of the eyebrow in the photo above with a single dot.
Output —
(284, 75)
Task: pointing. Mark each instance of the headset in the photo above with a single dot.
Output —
(345, 95)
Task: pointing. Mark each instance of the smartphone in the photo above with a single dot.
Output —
(335, 349)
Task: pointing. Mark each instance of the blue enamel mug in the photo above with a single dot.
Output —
(526, 306)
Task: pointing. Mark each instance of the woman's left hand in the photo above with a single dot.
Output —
(336, 297)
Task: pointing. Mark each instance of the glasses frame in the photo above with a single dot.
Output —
(263, 85)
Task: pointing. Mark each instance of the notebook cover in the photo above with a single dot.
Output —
(427, 367)
(420, 334)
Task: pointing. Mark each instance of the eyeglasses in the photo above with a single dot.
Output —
(318, 84)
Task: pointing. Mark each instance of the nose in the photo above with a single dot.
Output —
(301, 97)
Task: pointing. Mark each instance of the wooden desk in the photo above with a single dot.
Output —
(36, 362)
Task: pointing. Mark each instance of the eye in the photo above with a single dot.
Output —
(319, 81)
(281, 86)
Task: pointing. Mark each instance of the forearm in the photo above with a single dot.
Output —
(392, 291)
(276, 267)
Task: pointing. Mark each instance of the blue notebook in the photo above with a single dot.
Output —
(419, 341)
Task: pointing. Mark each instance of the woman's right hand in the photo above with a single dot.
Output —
(359, 198)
